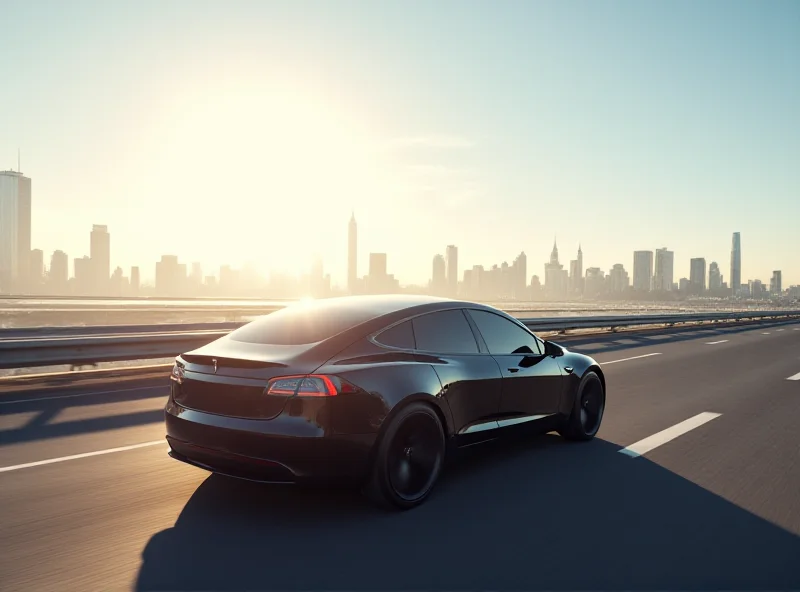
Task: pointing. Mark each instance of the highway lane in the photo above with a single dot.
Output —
(715, 507)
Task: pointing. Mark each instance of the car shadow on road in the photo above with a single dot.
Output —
(531, 515)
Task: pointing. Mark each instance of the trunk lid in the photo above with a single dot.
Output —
(229, 378)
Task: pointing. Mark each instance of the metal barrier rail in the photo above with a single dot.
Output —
(74, 346)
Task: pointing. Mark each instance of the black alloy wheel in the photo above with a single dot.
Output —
(587, 413)
(409, 458)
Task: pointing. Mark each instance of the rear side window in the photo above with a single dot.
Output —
(401, 336)
(502, 336)
(445, 332)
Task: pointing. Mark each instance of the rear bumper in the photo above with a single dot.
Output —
(282, 450)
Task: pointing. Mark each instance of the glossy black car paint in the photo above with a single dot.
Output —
(223, 421)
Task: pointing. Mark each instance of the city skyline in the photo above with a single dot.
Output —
(672, 134)
(23, 269)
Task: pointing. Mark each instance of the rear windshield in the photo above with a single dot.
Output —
(303, 323)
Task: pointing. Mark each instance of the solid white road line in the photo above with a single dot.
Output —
(626, 359)
(795, 377)
(643, 446)
(125, 390)
(77, 456)
(716, 342)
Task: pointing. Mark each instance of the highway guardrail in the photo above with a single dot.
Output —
(80, 346)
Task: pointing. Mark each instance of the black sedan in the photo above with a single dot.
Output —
(374, 390)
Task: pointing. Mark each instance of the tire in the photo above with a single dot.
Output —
(399, 480)
(587, 411)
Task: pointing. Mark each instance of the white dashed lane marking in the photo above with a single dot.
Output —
(51, 461)
(644, 446)
(627, 359)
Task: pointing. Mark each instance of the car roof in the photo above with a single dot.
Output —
(372, 306)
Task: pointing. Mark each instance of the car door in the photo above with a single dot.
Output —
(471, 380)
(532, 381)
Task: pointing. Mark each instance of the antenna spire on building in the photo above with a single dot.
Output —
(19, 170)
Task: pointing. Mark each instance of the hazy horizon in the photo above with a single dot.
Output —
(249, 131)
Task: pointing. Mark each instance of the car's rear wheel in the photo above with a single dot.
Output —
(587, 412)
(409, 458)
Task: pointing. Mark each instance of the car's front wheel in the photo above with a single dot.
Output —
(587, 411)
(409, 458)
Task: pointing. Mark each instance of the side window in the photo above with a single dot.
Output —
(445, 332)
(401, 336)
(502, 336)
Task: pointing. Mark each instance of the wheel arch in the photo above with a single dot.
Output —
(423, 398)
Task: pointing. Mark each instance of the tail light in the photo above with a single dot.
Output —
(309, 385)
(177, 373)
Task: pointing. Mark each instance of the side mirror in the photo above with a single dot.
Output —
(551, 349)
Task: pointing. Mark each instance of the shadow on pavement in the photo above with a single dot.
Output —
(143, 405)
(538, 514)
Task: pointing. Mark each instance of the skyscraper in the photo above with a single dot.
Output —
(15, 228)
(134, 279)
(697, 275)
(736, 262)
(642, 270)
(776, 283)
(352, 254)
(520, 272)
(452, 270)
(663, 274)
(100, 254)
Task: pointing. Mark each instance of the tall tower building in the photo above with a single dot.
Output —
(663, 275)
(776, 283)
(58, 275)
(352, 254)
(15, 229)
(100, 254)
(642, 270)
(452, 269)
(736, 262)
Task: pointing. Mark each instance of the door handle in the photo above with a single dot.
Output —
(568, 369)
(512, 370)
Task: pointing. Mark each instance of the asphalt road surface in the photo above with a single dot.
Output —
(692, 483)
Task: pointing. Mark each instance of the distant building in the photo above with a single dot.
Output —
(714, 277)
(775, 284)
(556, 278)
(83, 275)
(100, 254)
(576, 273)
(697, 275)
(618, 279)
(135, 281)
(439, 276)
(685, 285)
(170, 276)
(663, 273)
(736, 262)
(352, 255)
(595, 282)
(378, 281)
(15, 229)
(519, 273)
(58, 274)
(451, 254)
(756, 289)
(642, 270)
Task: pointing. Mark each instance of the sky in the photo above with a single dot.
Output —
(249, 131)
